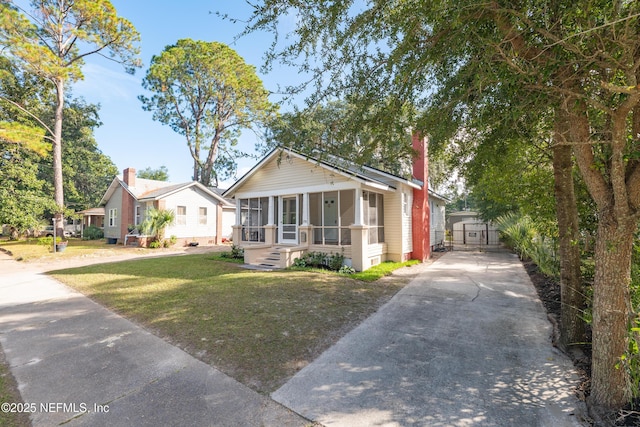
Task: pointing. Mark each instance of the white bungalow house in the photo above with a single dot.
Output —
(202, 215)
(289, 204)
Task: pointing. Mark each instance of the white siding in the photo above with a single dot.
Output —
(437, 227)
(192, 199)
(393, 221)
(407, 223)
(228, 220)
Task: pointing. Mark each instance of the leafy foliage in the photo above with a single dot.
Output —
(159, 174)
(342, 129)
(155, 223)
(520, 233)
(50, 42)
(491, 73)
(87, 172)
(23, 202)
(311, 259)
(207, 93)
(92, 233)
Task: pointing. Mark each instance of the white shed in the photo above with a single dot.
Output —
(474, 233)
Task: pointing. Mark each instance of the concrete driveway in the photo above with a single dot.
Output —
(466, 343)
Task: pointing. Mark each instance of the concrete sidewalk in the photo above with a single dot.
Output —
(79, 363)
(466, 343)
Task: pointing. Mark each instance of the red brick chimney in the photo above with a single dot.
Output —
(420, 215)
(129, 177)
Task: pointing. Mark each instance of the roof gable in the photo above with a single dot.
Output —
(149, 189)
(167, 191)
(334, 165)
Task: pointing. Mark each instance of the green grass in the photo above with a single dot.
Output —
(226, 257)
(383, 269)
(9, 394)
(31, 250)
(258, 327)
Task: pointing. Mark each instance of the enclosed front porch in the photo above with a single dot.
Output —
(274, 230)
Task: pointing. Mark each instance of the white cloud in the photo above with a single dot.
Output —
(104, 85)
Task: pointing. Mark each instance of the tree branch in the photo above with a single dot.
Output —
(24, 110)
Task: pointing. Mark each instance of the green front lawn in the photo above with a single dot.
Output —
(32, 250)
(258, 327)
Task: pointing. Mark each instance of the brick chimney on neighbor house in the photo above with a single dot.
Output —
(420, 214)
(129, 177)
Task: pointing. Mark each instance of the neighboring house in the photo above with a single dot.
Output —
(92, 217)
(199, 211)
(289, 204)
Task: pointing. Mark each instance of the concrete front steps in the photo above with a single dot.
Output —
(269, 259)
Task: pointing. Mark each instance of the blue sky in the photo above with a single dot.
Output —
(129, 136)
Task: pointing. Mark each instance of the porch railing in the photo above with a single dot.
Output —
(253, 234)
(331, 236)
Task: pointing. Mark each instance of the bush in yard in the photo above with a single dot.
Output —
(237, 252)
(92, 233)
(521, 234)
(299, 262)
(345, 269)
(333, 262)
(48, 241)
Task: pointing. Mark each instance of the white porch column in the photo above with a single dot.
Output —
(358, 203)
(272, 209)
(238, 216)
(305, 209)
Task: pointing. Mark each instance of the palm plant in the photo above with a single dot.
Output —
(156, 221)
(520, 233)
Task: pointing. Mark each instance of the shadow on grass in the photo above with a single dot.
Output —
(259, 327)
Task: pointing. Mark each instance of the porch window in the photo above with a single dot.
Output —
(113, 216)
(331, 213)
(254, 215)
(373, 213)
(181, 215)
(138, 214)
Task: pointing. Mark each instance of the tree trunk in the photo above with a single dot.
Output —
(610, 387)
(572, 327)
(58, 191)
(196, 171)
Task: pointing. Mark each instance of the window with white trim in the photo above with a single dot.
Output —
(331, 213)
(406, 203)
(113, 216)
(373, 215)
(181, 215)
(202, 216)
(254, 215)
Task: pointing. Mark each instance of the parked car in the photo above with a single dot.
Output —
(48, 231)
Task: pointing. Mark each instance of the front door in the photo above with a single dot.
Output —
(288, 225)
